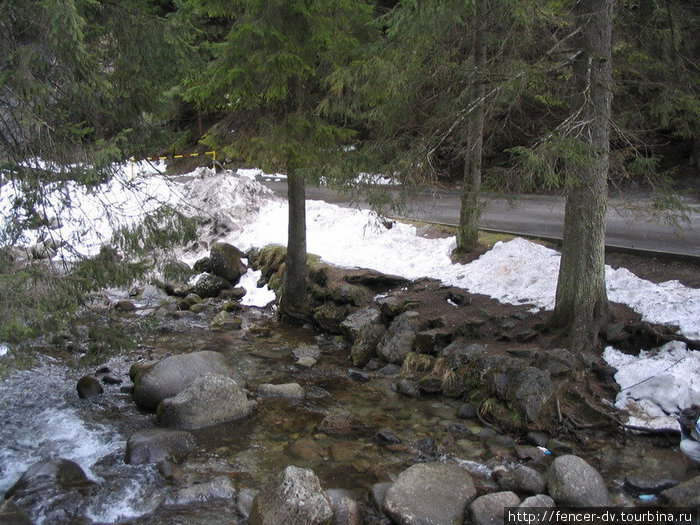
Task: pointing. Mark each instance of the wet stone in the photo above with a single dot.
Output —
(359, 376)
(387, 437)
(466, 411)
(648, 485)
(89, 386)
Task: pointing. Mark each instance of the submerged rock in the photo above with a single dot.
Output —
(286, 390)
(210, 399)
(430, 493)
(153, 445)
(294, 497)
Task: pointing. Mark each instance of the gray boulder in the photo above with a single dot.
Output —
(522, 480)
(153, 445)
(572, 482)
(529, 390)
(428, 493)
(365, 346)
(170, 376)
(225, 261)
(209, 400)
(357, 322)
(286, 390)
(293, 497)
(398, 340)
(490, 508)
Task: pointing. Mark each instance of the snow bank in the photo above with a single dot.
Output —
(657, 384)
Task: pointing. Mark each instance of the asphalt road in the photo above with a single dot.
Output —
(630, 224)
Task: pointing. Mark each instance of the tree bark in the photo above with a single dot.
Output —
(294, 290)
(581, 300)
(470, 210)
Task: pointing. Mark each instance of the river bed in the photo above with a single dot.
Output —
(43, 418)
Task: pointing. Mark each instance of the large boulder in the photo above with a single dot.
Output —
(209, 400)
(89, 386)
(397, 343)
(170, 376)
(572, 482)
(430, 493)
(153, 445)
(294, 497)
(225, 261)
(365, 346)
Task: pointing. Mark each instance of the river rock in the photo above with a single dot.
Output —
(685, 494)
(307, 355)
(153, 445)
(225, 261)
(522, 480)
(89, 386)
(294, 497)
(377, 493)
(209, 400)
(210, 285)
(286, 390)
(364, 347)
(11, 514)
(306, 449)
(244, 502)
(490, 508)
(340, 422)
(217, 488)
(346, 511)
(557, 361)
(398, 341)
(529, 390)
(430, 493)
(61, 474)
(539, 500)
(359, 321)
(169, 376)
(574, 483)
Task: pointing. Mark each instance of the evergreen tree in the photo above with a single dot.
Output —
(268, 78)
(582, 306)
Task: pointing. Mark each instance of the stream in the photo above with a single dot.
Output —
(43, 418)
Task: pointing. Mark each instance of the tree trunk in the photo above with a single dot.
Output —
(581, 301)
(294, 291)
(470, 210)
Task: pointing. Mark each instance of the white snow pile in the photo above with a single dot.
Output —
(657, 384)
(239, 210)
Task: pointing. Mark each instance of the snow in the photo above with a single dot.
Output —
(246, 214)
(656, 384)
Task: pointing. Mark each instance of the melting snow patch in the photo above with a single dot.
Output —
(656, 384)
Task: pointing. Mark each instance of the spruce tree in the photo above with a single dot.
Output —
(268, 78)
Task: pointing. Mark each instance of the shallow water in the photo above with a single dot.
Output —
(44, 418)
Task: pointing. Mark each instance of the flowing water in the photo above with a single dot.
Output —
(42, 418)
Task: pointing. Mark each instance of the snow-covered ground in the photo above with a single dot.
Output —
(515, 272)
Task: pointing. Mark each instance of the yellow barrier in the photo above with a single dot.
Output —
(182, 156)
